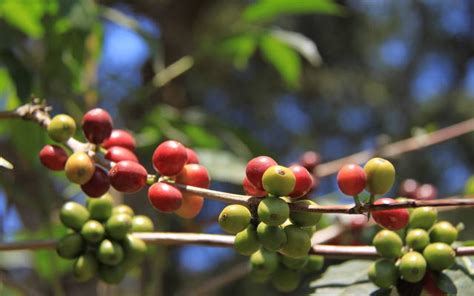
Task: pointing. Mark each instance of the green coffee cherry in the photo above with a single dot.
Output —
(412, 267)
(61, 128)
(141, 223)
(73, 215)
(278, 180)
(272, 238)
(417, 239)
(110, 252)
(315, 263)
(380, 175)
(259, 277)
(123, 209)
(439, 256)
(135, 251)
(294, 263)
(117, 226)
(297, 244)
(285, 280)
(443, 232)
(388, 244)
(93, 231)
(273, 211)
(85, 268)
(264, 261)
(423, 217)
(234, 218)
(304, 219)
(112, 274)
(70, 246)
(309, 230)
(246, 242)
(383, 273)
(100, 208)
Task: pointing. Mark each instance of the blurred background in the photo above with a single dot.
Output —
(232, 79)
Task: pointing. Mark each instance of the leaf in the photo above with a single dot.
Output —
(5, 163)
(456, 281)
(469, 186)
(222, 165)
(265, 10)
(283, 58)
(240, 48)
(305, 46)
(200, 137)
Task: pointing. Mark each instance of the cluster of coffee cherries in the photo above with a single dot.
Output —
(276, 239)
(100, 239)
(410, 188)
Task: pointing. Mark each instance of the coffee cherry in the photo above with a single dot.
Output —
(273, 211)
(278, 180)
(310, 160)
(388, 244)
(351, 179)
(294, 263)
(412, 267)
(98, 184)
(297, 244)
(97, 125)
(117, 226)
(142, 223)
(70, 246)
(439, 256)
(120, 138)
(394, 219)
(110, 252)
(315, 263)
(123, 209)
(250, 189)
(73, 215)
(246, 242)
(169, 158)
(383, 273)
(135, 251)
(304, 219)
(304, 181)
(255, 169)
(423, 217)
(430, 285)
(271, 237)
(309, 230)
(112, 275)
(100, 209)
(116, 154)
(61, 128)
(85, 268)
(380, 175)
(93, 231)
(164, 197)
(79, 168)
(128, 176)
(194, 175)
(417, 239)
(234, 218)
(443, 232)
(408, 188)
(285, 280)
(264, 261)
(53, 157)
(259, 277)
(191, 206)
(192, 156)
(426, 192)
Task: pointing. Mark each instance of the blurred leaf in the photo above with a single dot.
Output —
(265, 10)
(456, 281)
(240, 48)
(305, 46)
(5, 163)
(222, 165)
(18, 72)
(200, 137)
(469, 186)
(283, 58)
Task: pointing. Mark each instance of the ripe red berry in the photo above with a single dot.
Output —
(255, 169)
(120, 138)
(118, 153)
(304, 181)
(408, 188)
(97, 125)
(310, 160)
(394, 219)
(128, 176)
(192, 156)
(169, 158)
(426, 192)
(53, 157)
(98, 185)
(351, 179)
(194, 175)
(430, 284)
(250, 189)
(164, 197)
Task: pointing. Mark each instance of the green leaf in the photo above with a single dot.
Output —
(283, 58)
(5, 163)
(302, 44)
(469, 186)
(200, 137)
(265, 10)
(456, 281)
(222, 165)
(240, 48)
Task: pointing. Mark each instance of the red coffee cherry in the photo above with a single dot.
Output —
(164, 197)
(351, 179)
(194, 175)
(255, 169)
(98, 185)
(426, 192)
(128, 176)
(430, 285)
(391, 219)
(250, 189)
(169, 158)
(192, 156)
(97, 125)
(408, 188)
(53, 157)
(118, 153)
(304, 181)
(120, 138)
(310, 160)
(191, 206)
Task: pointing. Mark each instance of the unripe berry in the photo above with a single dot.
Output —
(93, 231)
(417, 239)
(194, 175)
(380, 175)
(264, 261)
(304, 219)
(191, 206)
(273, 211)
(169, 158)
(255, 169)
(117, 153)
(388, 244)
(100, 208)
(123, 209)
(298, 243)
(234, 218)
(112, 275)
(73, 215)
(117, 226)
(53, 157)
(304, 181)
(134, 250)
(85, 267)
(285, 280)
(294, 263)
(423, 217)
(310, 160)
(439, 256)
(70, 246)
(110, 252)
(278, 180)
(246, 242)
(408, 188)
(97, 125)
(61, 128)
(351, 179)
(79, 168)
(443, 232)
(426, 192)
(395, 219)
(412, 267)
(271, 237)
(164, 197)
(98, 184)
(141, 223)
(192, 156)
(250, 189)
(128, 176)
(120, 138)
(383, 273)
